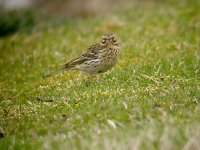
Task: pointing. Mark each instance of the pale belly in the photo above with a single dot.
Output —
(96, 66)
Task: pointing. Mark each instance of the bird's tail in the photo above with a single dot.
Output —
(55, 72)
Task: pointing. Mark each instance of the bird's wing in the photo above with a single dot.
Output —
(91, 53)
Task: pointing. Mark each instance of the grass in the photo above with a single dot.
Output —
(150, 100)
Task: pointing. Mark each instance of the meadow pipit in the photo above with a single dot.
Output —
(98, 58)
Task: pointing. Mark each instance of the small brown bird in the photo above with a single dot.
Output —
(97, 59)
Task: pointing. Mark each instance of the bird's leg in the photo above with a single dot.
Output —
(94, 76)
(90, 79)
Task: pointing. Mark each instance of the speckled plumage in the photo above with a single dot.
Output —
(98, 58)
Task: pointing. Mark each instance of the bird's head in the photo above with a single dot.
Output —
(109, 39)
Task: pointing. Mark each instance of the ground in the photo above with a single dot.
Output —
(150, 100)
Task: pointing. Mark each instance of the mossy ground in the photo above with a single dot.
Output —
(150, 100)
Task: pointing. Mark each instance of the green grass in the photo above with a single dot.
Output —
(150, 100)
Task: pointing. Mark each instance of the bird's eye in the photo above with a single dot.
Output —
(113, 39)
